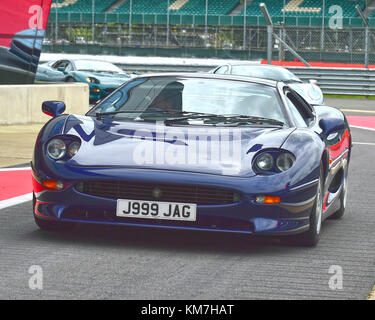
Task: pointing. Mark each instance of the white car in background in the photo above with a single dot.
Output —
(310, 90)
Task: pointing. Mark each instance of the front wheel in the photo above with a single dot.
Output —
(311, 237)
(343, 197)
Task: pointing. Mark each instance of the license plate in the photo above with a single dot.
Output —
(156, 210)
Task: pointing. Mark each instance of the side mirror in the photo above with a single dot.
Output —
(313, 81)
(53, 108)
(61, 69)
(330, 126)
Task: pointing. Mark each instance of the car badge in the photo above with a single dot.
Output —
(157, 193)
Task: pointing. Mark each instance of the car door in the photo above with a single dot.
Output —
(54, 74)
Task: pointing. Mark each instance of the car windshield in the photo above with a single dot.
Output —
(96, 66)
(270, 73)
(193, 101)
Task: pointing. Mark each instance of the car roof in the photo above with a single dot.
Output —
(83, 59)
(251, 64)
(78, 59)
(266, 82)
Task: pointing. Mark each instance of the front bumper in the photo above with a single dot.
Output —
(244, 216)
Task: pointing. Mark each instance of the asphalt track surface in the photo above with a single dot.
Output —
(93, 262)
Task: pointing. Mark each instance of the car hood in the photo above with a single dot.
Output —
(197, 149)
(108, 78)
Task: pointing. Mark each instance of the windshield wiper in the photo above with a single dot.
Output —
(162, 112)
(234, 119)
(227, 119)
(99, 115)
(181, 116)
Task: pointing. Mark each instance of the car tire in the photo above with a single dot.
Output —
(70, 79)
(50, 225)
(343, 198)
(311, 237)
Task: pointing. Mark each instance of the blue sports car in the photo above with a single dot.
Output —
(197, 152)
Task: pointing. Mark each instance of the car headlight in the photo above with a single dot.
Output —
(285, 161)
(56, 149)
(314, 93)
(92, 80)
(73, 148)
(265, 162)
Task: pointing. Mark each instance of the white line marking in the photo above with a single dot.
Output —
(358, 111)
(364, 143)
(364, 128)
(15, 169)
(16, 200)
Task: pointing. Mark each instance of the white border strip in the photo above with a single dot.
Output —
(15, 169)
(364, 143)
(357, 111)
(16, 200)
(364, 128)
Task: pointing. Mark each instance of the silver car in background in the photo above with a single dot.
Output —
(310, 91)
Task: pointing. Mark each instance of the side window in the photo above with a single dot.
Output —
(60, 64)
(68, 67)
(112, 103)
(301, 111)
(222, 70)
(56, 64)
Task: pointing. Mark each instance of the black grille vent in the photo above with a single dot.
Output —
(158, 192)
(201, 223)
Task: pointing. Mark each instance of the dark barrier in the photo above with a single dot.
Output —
(254, 54)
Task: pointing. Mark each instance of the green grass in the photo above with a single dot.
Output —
(343, 96)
